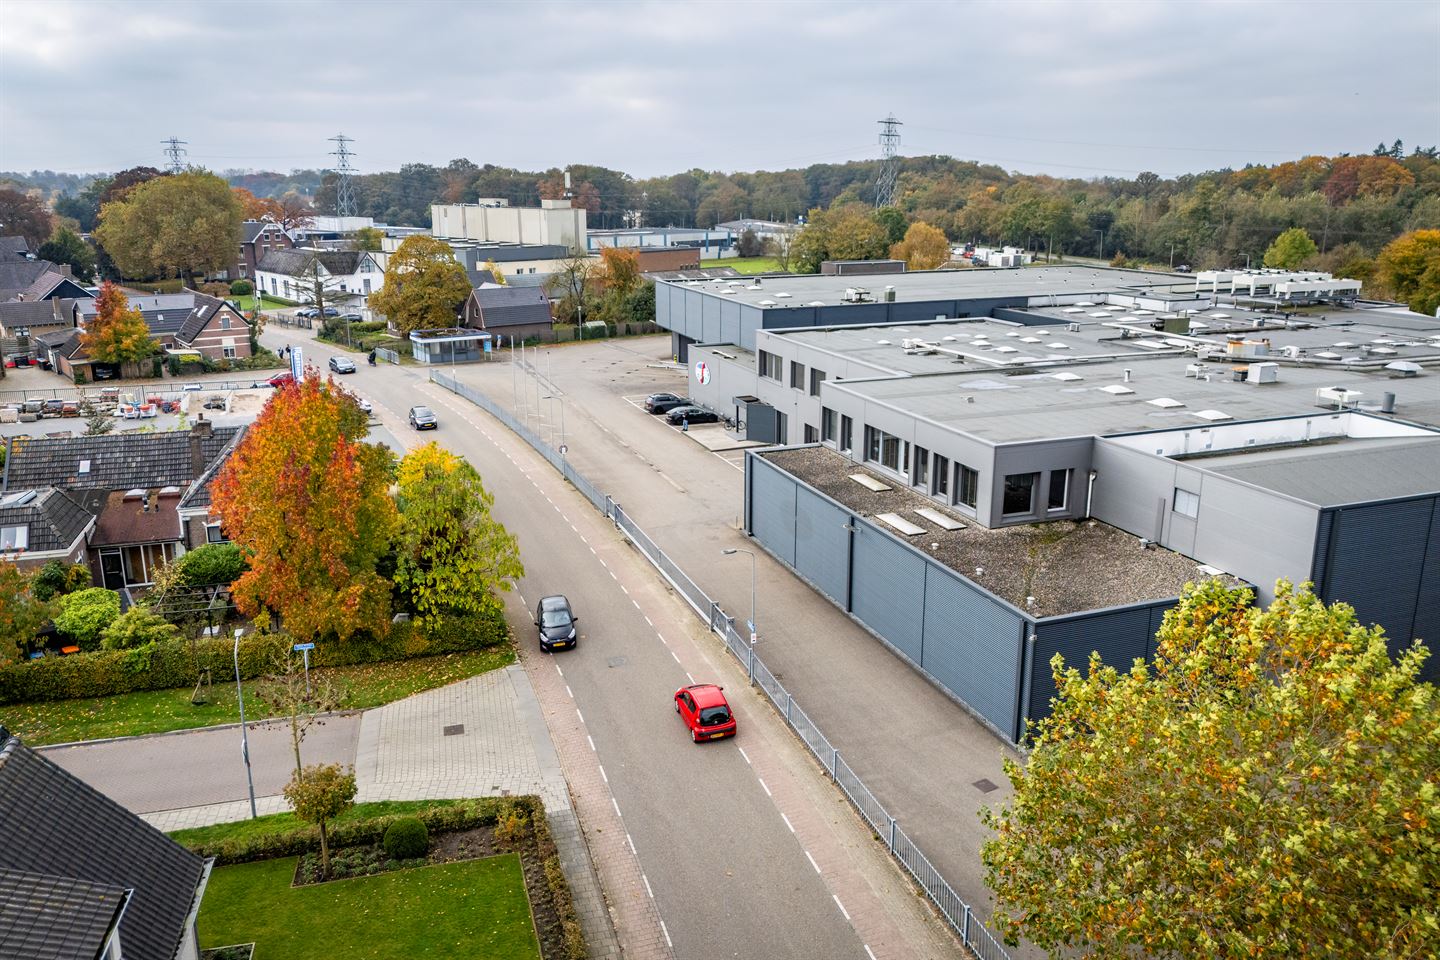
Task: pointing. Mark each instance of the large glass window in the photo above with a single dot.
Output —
(889, 451)
(811, 434)
(1059, 496)
(797, 376)
(1020, 493)
(847, 433)
(1187, 504)
(827, 425)
(872, 444)
(817, 377)
(941, 472)
(921, 476)
(969, 486)
(770, 366)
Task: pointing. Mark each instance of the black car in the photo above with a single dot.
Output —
(663, 402)
(690, 413)
(102, 372)
(342, 364)
(556, 623)
(331, 312)
(423, 418)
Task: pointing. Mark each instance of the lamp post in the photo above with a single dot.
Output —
(244, 738)
(730, 551)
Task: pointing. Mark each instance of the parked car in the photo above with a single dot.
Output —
(102, 371)
(1183, 268)
(342, 364)
(307, 312)
(352, 317)
(364, 405)
(423, 418)
(280, 379)
(705, 711)
(692, 414)
(556, 622)
(663, 402)
(331, 312)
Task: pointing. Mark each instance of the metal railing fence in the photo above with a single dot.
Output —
(957, 912)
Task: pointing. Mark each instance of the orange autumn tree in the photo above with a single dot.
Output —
(307, 502)
(117, 333)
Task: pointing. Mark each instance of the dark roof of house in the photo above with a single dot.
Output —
(13, 248)
(115, 461)
(520, 252)
(17, 276)
(253, 229)
(65, 341)
(138, 516)
(57, 825)
(511, 306)
(163, 313)
(29, 313)
(203, 312)
(55, 918)
(54, 284)
(55, 520)
(478, 277)
(198, 493)
(295, 263)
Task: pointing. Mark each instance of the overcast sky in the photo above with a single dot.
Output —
(1070, 88)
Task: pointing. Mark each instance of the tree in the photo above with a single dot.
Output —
(305, 500)
(23, 215)
(66, 247)
(1290, 249)
(319, 794)
(425, 286)
(181, 225)
(748, 244)
(1267, 789)
(620, 269)
(894, 221)
(368, 239)
(22, 614)
(848, 232)
(779, 247)
(97, 421)
(924, 247)
(293, 210)
(495, 272)
(1409, 267)
(251, 206)
(211, 564)
(451, 554)
(84, 615)
(137, 627)
(58, 578)
(568, 286)
(288, 691)
(118, 333)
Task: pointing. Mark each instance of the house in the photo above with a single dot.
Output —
(347, 275)
(40, 525)
(188, 321)
(257, 239)
(22, 322)
(37, 280)
(14, 249)
(510, 312)
(82, 877)
(146, 496)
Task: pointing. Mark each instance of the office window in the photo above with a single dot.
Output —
(889, 451)
(817, 377)
(921, 476)
(769, 366)
(1059, 489)
(827, 425)
(872, 444)
(969, 486)
(847, 433)
(811, 434)
(797, 376)
(1187, 504)
(1019, 493)
(941, 472)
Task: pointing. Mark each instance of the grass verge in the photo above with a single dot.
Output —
(475, 908)
(281, 822)
(157, 711)
(745, 264)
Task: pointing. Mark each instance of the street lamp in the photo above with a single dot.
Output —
(730, 551)
(244, 738)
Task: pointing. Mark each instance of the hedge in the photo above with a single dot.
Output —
(165, 666)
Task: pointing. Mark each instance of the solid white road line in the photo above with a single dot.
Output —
(868, 952)
(667, 936)
(632, 844)
(617, 809)
(652, 892)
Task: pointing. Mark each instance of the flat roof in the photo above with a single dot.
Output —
(926, 285)
(1334, 473)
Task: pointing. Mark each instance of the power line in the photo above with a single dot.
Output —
(889, 161)
(344, 186)
(175, 154)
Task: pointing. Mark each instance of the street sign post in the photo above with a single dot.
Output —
(297, 362)
(305, 649)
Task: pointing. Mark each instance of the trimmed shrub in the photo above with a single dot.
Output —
(407, 838)
(85, 614)
(210, 564)
(137, 627)
(241, 288)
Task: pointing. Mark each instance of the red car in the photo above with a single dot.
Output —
(705, 711)
(281, 379)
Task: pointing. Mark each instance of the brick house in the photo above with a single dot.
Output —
(258, 238)
(510, 312)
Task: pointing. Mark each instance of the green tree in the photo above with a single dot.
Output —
(58, 578)
(84, 615)
(135, 628)
(924, 247)
(894, 222)
(425, 286)
(748, 244)
(97, 421)
(848, 232)
(211, 564)
(1409, 267)
(1266, 789)
(368, 239)
(66, 247)
(183, 225)
(1290, 249)
(318, 794)
(21, 613)
(452, 555)
(117, 333)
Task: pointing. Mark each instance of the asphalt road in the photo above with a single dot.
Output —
(728, 878)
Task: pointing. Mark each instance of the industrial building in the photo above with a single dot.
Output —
(1244, 437)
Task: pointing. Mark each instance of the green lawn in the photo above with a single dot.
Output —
(281, 822)
(248, 303)
(745, 264)
(156, 711)
(475, 908)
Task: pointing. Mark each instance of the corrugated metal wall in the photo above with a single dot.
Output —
(771, 509)
(1119, 635)
(887, 590)
(822, 544)
(972, 647)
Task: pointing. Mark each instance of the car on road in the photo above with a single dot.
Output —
(280, 379)
(342, 364)
(692, 414)
(664, 402)
(423, 418)
(556, 622)
(705, 711)
(364, 405)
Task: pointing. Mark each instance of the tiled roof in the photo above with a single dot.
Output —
(115, 461)
(204, 310)
(55, 824)
(13, 248)
(198, 494)
(16, 276)
(511, 306)
(55, 918)
(54, 520)
(296, 263)
(480, 277)
(141, 516)
(28, 313)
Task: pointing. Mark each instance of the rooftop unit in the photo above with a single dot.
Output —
(1337, 398)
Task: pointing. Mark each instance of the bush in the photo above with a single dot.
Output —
(241, 288)
(84, 615)
(210, 564)
(137, 627)
(407, 838)
(58, 578)
(176, 663)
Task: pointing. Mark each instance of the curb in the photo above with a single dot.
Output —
(173, 733)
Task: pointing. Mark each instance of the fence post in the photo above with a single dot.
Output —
(892, 834)
(788, 701)
(834, 764)
(750, 663)
(965, 928)
(609, 507)
(714, 609)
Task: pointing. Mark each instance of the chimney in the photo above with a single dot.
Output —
(199, 432)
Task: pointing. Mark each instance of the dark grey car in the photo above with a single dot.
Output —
(557, 623)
